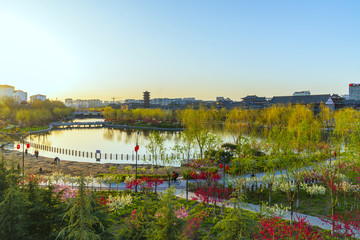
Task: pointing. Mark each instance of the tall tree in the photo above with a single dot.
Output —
(82, 217)
(13, 224)
(156, 147)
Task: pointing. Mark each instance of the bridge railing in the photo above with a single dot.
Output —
(110, 156)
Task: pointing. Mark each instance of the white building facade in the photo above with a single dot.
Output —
(37, 97)
(6, 91)
(20, 96)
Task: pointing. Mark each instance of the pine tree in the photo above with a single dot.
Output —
(13, 223)
(84, 222)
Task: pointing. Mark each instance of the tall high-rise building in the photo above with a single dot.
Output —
(354, 91)
(146, 99)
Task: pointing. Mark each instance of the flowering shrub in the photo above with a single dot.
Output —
(145, 183)
(284, 186)
(118, 202)
(193, 225)
(182, 213)
(276, 228)
(65, 192)
(133, 221)
(313, 189)
(273, 211)
(345, 225)
(102, 201)
(32, 179)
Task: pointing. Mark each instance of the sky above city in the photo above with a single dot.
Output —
(188, 48)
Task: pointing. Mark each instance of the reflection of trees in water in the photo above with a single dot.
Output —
(41, 138)
(108, 134)
(128, 135)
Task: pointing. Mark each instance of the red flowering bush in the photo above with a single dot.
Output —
(145, 183)
(276, 228)
(345, 225)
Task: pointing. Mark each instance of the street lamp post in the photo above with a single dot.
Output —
(23, 157)
(136, 156)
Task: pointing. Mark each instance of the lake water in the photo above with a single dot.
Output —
(117, 142)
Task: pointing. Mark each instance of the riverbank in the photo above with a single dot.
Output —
(33, 164)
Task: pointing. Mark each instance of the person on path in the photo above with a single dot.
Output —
(26, 151)
(55, 160)
(174, 176)
(40, 170)
(58, 160)
(18, 166)
(37, 154)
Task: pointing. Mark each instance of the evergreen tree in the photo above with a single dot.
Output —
(44, 210)
(13, 223)
(168, 226)
(84, 222)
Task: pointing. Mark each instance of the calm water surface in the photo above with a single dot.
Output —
(114, 141)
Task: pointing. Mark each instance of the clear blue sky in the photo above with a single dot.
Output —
(179, 48)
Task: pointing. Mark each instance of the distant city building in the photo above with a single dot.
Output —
(330, 104)
(146, 99)
(301, 93)
(69, 102)
(20, 96)
(93, 103)
(354, 91)
(346, 96)
(254, 102)
(221, 102)
(6, 91)
(188, 100)
(85, 103)
(129, 100)
(310, 100)
(37, 97)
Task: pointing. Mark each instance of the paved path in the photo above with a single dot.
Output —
(314, 221)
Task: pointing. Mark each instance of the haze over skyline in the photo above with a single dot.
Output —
(202, 49)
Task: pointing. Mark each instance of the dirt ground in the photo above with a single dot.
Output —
(32, 165)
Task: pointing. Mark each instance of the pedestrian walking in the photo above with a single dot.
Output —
(40, 170)
(55, 160)
(26, 151)
(58, 160)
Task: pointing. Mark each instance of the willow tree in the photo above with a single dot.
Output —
(284, 154)
(197, 123)
(346, 129)
(156, 147)
(237, 123)
(185, 147)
